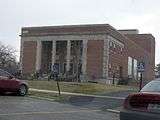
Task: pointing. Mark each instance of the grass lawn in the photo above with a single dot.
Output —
(87, 88)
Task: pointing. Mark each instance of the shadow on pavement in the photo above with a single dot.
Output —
(80, 100)
(94, 103)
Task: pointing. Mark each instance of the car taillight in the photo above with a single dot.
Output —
(142, 101)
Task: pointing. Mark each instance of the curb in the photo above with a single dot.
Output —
(76, 94)
(113, 111)
(42, 98)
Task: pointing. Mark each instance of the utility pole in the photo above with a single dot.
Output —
(59, 92)
(55, 76)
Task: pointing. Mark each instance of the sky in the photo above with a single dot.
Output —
(121, 14)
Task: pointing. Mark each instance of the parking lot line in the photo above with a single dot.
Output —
(58, 112)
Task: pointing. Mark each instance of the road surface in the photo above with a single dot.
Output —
(25, 108)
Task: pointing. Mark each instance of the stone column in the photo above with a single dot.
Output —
(68, 54)
(53, 52)
(84, 58)
(38, 55)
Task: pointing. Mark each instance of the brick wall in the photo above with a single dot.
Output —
(29, 57)
(146, 42)
(137, 52)
(95, 58)
(116, 59)
(119, 58)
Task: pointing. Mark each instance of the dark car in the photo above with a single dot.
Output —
(8, 83)
(144, 105)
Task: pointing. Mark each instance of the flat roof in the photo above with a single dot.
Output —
(72, 30)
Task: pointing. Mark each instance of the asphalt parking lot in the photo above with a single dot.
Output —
(25, 108)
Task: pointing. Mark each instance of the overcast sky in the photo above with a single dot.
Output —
(121, 14)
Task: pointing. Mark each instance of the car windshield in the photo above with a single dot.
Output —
(153, 86)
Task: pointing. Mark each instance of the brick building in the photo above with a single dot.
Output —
(96, 51)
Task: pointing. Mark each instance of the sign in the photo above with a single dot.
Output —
(55, 68)
(141, 67)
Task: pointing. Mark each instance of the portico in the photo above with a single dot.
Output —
(69, 55)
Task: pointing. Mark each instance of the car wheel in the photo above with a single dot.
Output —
(23, 90)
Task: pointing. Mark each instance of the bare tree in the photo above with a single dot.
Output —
(8, 58)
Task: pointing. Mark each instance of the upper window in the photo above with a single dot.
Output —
(110, 43)
(114, 45)
(25, 31)
(121, 49)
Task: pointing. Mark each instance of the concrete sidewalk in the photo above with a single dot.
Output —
(76, 94)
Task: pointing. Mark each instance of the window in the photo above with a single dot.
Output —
(117, 68)
(114, 45)
(132, 68)
(121, 49)
(135, 68)
(25, 31)
(110, 43)
(129, 66)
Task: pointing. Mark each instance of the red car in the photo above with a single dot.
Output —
(144, 105)
(8, 83)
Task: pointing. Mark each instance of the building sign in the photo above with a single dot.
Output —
(141, 67)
